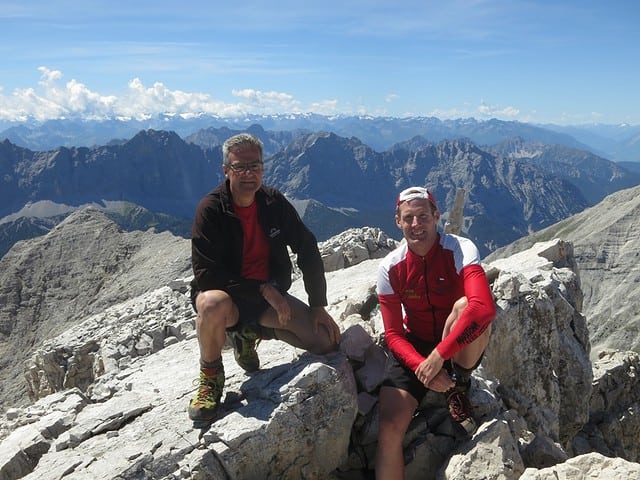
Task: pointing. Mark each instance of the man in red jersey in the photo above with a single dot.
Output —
(437, 308)
(242, 272)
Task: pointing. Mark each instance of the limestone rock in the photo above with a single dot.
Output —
(108, 341)
(614, 416)
(606, 247)
(494, 448)
(113, 391)
(591, 465)
(354, 246)
(295, 416)
(540, 347)
(83, 266)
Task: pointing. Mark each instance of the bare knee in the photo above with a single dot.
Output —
(390, 430)
(214, 306)
(323, 346)
(304, 330)
(459, 306)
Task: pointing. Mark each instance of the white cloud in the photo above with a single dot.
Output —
(269, 102)
(325, 107)
(141, 101)
(494, 111)
(451, 113)
(573, 119)
(480, 111)
(53, 99)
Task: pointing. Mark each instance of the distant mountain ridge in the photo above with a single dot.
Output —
(584, 169)
(336, 182)
(618, 143)
(153, 168)
(273, 141)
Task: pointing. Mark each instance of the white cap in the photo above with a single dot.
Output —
(412, 193)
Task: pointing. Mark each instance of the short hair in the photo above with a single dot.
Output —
(240, 141)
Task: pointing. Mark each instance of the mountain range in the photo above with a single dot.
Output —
(156, 178)
(620, 143)
(84, 231)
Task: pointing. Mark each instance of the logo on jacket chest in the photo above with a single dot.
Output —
(412, 294)
(274, 232)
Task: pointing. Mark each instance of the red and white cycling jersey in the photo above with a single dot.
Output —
(416, 294)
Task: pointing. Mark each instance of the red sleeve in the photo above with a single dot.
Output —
(394, 332)
(476, 317)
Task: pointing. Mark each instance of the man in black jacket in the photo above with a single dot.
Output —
(242, 272)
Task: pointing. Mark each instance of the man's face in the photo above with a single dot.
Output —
(244, 170)
(418, 223)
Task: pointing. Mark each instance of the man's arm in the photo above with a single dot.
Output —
(394, 332)
(474, 319)
(305, 245)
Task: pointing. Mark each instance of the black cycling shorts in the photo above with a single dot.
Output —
(249, 313)
(399, 376)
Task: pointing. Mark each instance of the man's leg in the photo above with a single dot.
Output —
(396, 408)
(216, 311)
(462, 364)
(299, 330)
(470, 355)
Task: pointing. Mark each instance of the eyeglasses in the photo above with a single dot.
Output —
(246, 167)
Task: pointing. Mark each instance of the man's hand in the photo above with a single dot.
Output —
(442, 382)
(432, 375)
(320, 317)
(274, 298)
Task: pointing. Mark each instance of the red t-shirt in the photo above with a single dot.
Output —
(255, 247)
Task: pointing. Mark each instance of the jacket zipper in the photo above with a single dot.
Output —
(433, 309)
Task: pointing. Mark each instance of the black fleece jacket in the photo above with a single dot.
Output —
(216, 246)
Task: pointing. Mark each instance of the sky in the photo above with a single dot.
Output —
(547, 61)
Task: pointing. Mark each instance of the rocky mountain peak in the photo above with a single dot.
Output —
(114, 389)
(82, 266)
(154, 136)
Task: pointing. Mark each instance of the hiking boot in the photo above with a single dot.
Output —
(461, 410)
(245, 341)
(205, 403)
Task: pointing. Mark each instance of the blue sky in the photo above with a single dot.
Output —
(562, 62)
